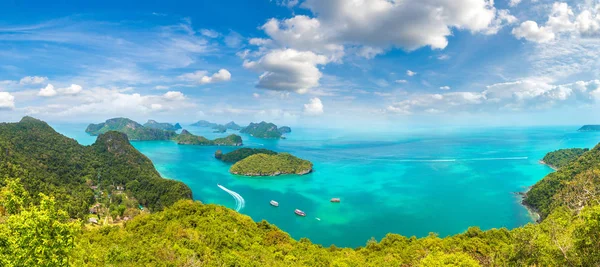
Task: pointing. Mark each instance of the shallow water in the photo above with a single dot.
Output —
(410, 183)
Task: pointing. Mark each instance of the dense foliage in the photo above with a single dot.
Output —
(132, 129)
(262, 130)
(55, 165)
(270, 165)
(543, 196)
(590, 128)
(186, 138)
(562, 157)
(242, 153)
(162, 126)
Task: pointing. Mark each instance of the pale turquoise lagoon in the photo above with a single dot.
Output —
(410, 183)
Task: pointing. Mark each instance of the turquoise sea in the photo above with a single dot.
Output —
(410, 183)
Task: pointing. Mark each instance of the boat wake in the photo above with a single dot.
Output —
(240, 203)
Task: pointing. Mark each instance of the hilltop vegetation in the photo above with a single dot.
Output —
(36, 230)
(242, 153)
(264, 130)
(162, 126)
(132, 129)
(219, 128)
(271, 165)
(562, 157)
(55, 165)
(186, 138)
(589, 128)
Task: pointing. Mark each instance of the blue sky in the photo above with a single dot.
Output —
(380, 63)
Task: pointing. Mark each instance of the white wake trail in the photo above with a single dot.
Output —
(240, 203)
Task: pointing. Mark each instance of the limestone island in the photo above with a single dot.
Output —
(589, 128)
(242, 153)
(132, 129)
(186, 138)
(562, 157)
(138, 132)
(265, 130)
(218, 128)
(162, 125)
(271, 165)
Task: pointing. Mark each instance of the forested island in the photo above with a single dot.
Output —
(265, 130)
(162, 126)
(154, 131)
(271, 165)
(186, 138)
(219, 128)
(47, 230)
(562, 157)
(590, 128)
(242, 153)
(132, 129)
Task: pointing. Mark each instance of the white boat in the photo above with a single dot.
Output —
(300, 213)
(274, 203)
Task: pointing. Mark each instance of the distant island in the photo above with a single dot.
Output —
(265, 130)
(186, 138)
(589, 128)
(242, 153)
(132, 129)
(162, 126)
(138, 132)
(563, 157)
(219, 128)
(271, 165)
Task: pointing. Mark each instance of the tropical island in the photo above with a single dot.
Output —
(138, 132)
(265, 130)
(271, 165)
(562, 157)
(132, 129)
(589, 128)
(186, 138)
(180, 232)
(162, 126)
(242, 153)
(219, 128)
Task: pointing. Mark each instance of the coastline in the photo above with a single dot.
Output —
(533, 212)
(551, 166)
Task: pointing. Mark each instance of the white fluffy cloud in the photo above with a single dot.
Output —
(174, 95)
(314, 107)
(514, 3)
(7, 101)
(202, 77)
(514, 96)
(47, 91)
(33, 80)
(221, 76)
(288, 70)
(73, 89)
(445, 88)
(562, 21)
(410, 73)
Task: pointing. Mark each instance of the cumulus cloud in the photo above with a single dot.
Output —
(288, 70)
(445, 88)
(174, 95)
(33, 80)
(73, 89)
(410, 73)
(221, 76)
(562, 21)
(7, 101)
(514, 3)
(202, 77)
(514, 96)
(314, 107)
(47, 91)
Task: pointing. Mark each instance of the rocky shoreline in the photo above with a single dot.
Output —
(551, 166)
(533, 212)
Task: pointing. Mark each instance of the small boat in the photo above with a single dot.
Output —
(274, 203)
(335, 200)
(318, 219)
(300, 213)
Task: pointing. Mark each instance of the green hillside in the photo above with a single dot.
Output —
(162, 125)
(132, 129)
(242, 153)
(186, 138)
(271, 165)
(562, 157)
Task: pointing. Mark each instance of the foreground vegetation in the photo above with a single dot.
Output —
(37, 230)
(562, 157)
(271, 165)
